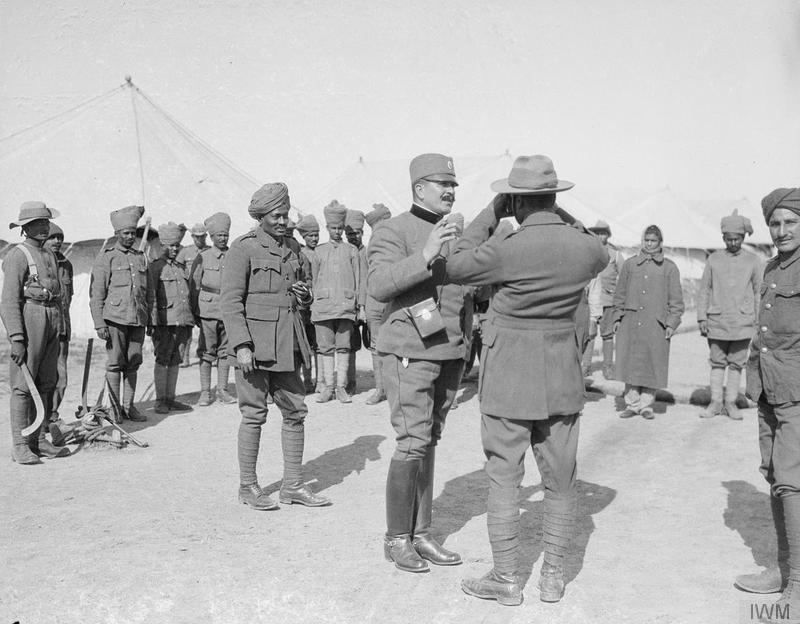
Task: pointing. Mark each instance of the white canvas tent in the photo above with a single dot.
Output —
(112, 151)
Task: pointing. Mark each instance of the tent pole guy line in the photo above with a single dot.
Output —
(138, 137)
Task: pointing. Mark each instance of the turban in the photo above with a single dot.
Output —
(788, 198)
(335, 213)
(736, 224)
(218, 223)
(171, 233)
(308, 224)
(268, 198)
(126, 217)
(198, 229)
(354, 220)
(378, 213)
(55, 231)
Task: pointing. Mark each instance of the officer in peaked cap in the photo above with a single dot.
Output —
(120, 306)
(423, 343)
(263, 284)
(31, 310)
(205, 284)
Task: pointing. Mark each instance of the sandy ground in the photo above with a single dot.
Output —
(670, 511)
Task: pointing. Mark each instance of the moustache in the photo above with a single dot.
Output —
(448, 197)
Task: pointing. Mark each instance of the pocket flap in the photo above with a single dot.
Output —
(322, 293)
(261, 312)
(206, 296)
(263, 264)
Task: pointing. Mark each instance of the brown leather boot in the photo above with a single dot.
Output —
(301, 494)
(504, 588)
(424, 543)
(400, 499)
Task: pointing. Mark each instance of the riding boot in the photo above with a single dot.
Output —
(774, 578)
(160, 381)
(342, 363)
(608, 359)
(328, 364)
(715, 405)
(558, 521)
(293, 490)
(424, 543)
(172, 384)
(732, 394)
(222, 381)
(205, 383)
(350, 387)
(128, 392)
(19, 419)
(379, 394)
(400, 498)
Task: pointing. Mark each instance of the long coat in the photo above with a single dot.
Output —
(531, 359)
(728, 295)
(258, 307)
(648, 299)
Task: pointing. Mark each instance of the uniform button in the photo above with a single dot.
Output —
(763, 349)
(641, 307)
(640, 324)
(644, 291)
(645, 277)
(773, 285)
(763, 328)
(767, 305)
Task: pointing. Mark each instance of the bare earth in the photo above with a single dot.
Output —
(670, 511)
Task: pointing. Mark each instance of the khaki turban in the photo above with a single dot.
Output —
(788, 198)
(268, 198)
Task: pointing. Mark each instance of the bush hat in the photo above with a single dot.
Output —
(531, 175)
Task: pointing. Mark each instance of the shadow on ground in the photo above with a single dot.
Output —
(749, 514)
(464, 498)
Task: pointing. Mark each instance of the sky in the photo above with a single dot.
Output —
(701, 96)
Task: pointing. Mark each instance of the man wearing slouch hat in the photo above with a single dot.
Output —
(263, 285)
(531, 390)
(727, 304)
(423, 359)
(171, 316)
(31, 310)
(205, 283)
(773, 370)
(120, 306)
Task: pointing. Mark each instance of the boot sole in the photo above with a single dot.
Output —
(291, 501)
(503, 600)
(388, 557)
(751, 590)
(270, 508)
(550, 597)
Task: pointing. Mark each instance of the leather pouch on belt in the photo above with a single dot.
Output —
(426, 317)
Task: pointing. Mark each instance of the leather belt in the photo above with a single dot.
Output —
(209, 289)
(53, 303)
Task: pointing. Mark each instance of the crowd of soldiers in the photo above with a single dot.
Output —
(276, 311)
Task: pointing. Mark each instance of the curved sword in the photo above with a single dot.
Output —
(37, 401)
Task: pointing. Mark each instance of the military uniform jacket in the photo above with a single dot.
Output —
(119, 287)
(336, 277)
(18, 286)
(258, 307)
(728, 295)
(774, 365)
(531, 368)
(65, 276)
(188, 254)
(205, 282)
(399, 277)
(170, 296)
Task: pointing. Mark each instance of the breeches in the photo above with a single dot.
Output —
(287, 391)
(420, 395)
(779, 442)
(554, 442)
(124, 347)
(167, 341)
(333, 335)
(216, 340)
(724, 353)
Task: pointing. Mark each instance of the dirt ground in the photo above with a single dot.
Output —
(670, 511)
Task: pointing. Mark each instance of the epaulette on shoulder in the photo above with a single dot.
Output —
(245, 236)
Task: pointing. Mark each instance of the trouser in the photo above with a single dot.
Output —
(61, 383)
(334, 336)
(215, 339)
(555, 444)
(42, 325)
(124, 347)
(167, 341)
(638, 398)
(288, 394)
(728, 353)
(420, 393)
